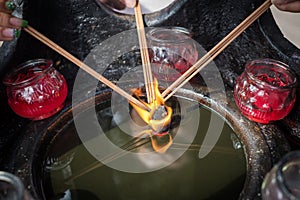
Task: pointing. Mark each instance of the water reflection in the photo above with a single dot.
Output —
(75, 172)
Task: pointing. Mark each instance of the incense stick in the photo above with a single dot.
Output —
(214, 52)
(148, 78)
(82, 65)
(131, 145)
(134, 144)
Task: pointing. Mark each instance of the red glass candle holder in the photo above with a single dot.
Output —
(35, 89)
(172, 52)
(266, 90)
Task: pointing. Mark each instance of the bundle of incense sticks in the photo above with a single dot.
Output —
(83, 66)
(173, 88)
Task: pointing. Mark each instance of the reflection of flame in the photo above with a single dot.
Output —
(160, 147)
(159, 126)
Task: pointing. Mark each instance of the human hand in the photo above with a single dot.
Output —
(10, 26)
(287, 5)
(119, 4)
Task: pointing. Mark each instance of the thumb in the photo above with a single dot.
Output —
(130, 3)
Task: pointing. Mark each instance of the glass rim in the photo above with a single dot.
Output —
(279, 172)
(178, 29)
(271, 62)
(13, 180)
(28, 64)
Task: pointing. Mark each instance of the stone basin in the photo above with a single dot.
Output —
(80, 26)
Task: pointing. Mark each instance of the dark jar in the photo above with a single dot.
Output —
(283, 181)
(266, 90)
(12, 188)
(172, 52)
(35, 89)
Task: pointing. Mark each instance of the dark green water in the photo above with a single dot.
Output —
(219, 175)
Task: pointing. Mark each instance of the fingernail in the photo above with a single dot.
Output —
(17, 33)
(16, 21)
(130, 3)
(24, 23)
(8, 32)
(10, 5)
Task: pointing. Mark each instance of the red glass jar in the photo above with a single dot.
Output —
(35, 89)
(172, 52)
(266, 90)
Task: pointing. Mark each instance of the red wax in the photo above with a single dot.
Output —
(173, 52)
(170, 71)
(263, 94)
(37, 93)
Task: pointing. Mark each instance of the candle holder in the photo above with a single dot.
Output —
(35, 89)
(266, 90)
(12, 188)
(283, 181)
(172, 52)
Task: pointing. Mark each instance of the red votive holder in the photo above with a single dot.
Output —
(266, 90)
(172, 52)
(35, 89)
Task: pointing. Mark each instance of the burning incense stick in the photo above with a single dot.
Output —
(148, 78)
(214, 52)
(82, 65)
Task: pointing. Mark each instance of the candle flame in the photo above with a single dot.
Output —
(147, 116)
(159, 125)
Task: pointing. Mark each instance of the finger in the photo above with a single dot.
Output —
(7, 34)
(7, 6)
(292, 6)
(130, 3)
(8, 21)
